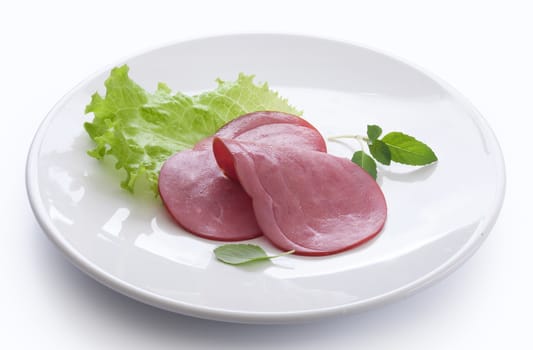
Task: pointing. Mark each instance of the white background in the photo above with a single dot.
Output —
(483, 49)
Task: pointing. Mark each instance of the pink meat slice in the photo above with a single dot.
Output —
(205, 202)
(270, 128)
(307, 201)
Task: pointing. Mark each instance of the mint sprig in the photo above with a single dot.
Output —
(366, 162)
(393, 147)
(381, 151)
(406, 149)
(373, 132)
(238, 254)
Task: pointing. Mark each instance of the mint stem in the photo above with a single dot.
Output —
(357, 137)
(361, 139)
(282, 254)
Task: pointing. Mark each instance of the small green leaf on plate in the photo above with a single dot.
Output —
(406, 149)
(237, 254)
(366, 162)
(373, 132)
(380, 151)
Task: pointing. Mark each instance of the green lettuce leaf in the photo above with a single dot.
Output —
(140, 130)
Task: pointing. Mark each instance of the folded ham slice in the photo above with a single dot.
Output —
(270, 128)
(205, 202)
(307, 201)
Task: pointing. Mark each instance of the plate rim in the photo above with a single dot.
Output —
(162, 302)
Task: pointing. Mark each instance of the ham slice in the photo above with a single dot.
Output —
(205, 202)
(270, 128)
(307, 201)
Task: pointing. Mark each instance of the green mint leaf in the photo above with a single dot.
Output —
(237, 254)
(406, 149)
(140, 130)
(373, 132)
(366, 162)
(380, 151)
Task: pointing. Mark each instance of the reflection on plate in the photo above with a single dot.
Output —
(438, 215)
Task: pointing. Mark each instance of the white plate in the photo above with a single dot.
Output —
(438, 215)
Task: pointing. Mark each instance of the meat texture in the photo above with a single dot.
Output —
(270, 128)
(205, 202)
(307, 201)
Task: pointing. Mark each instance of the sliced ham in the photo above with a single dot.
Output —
(270, 128)
(208, 204)
(307, 201)
(203, 200)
